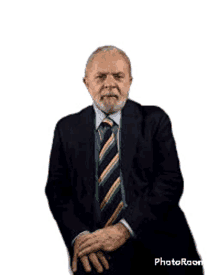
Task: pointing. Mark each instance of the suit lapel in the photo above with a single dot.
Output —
(130, 128)
(86, 160)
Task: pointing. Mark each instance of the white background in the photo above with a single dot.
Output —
(174, 48)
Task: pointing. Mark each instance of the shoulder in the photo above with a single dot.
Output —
(75, 119)
(151, 117)
(149, 111)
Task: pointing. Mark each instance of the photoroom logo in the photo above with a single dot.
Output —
(183, 261)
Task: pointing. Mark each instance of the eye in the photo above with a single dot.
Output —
(118, 76)
(101, 76)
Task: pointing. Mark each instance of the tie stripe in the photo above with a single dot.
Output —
(110, 178)
(102, 132)
(108, 168)
(108, 210)
(109, 142)
(110, 153)
(109, 181)
(115, 214)
(110, 192)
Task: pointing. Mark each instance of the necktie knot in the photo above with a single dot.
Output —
(107, 122)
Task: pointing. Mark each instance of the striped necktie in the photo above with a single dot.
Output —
(110, 196)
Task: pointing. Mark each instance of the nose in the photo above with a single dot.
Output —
(109, 81)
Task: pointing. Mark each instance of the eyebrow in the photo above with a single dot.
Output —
(98, 73)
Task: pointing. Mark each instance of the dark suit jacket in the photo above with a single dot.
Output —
(151, 176)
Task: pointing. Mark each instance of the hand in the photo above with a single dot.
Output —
(108, 239)
(93, 257)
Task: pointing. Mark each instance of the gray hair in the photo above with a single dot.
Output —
(108, 48)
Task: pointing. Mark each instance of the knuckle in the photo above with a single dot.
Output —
(91, 256)
(84, 259)
(99, 254)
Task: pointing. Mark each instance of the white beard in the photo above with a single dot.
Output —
(110, 109)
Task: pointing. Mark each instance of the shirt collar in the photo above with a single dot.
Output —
(101, 115)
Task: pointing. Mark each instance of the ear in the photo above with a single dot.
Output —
(86, 82)
(131, 79)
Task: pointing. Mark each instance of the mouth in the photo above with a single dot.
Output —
(109, 96)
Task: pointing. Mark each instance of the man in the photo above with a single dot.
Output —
(114, 181)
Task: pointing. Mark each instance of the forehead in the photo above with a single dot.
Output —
(109, 61)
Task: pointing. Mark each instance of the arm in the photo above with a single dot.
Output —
(59, 193)
(165, 189)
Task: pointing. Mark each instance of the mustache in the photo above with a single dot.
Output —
(110, 93)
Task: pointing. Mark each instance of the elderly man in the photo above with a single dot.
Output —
(114, 181)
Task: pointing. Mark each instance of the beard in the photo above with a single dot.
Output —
(110, 105)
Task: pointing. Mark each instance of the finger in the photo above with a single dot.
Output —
(84, 238)
(89, 236)
(94, 259)
(103, 259)
(90, 249)
(86, 264)
(87, 243)
(74, 262)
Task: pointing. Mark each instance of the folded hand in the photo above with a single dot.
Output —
(107, 239)
(95, 258)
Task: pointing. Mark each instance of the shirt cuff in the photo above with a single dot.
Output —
(123, 221)
(82, 233)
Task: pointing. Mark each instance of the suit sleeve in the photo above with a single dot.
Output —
(59, 193)
(166, 186)
(123, 221)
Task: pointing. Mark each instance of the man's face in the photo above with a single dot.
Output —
(108, 81)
